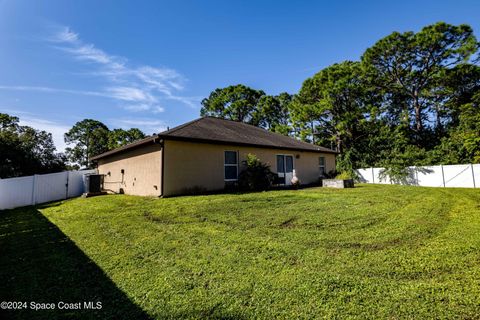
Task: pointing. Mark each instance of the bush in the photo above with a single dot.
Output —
(256, 176)
(344, 176)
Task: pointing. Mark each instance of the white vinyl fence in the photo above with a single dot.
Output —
(459, 176)
(31, 190)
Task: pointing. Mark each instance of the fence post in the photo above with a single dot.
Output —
(473, 175)
(66, 185)
(373, 176)
(34, 190)
(443, 175)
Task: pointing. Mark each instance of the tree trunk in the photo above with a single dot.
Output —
(339, 143)
(313, 133)
(438, 123)
(418, 113)
(87, 149)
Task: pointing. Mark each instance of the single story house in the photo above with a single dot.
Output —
(206, 154)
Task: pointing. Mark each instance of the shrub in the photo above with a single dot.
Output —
(256, 176)
(344, 176)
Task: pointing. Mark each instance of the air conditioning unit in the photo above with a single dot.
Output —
(94, 183)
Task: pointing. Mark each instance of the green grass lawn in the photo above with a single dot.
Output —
(370, 252)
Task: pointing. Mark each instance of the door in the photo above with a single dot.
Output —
(285, 169)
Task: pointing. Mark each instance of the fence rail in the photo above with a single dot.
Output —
(36, 189)
(456, 176)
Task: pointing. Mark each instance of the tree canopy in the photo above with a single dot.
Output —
(91, 137)
(121, 137)
(412, 99)
(244, 104)
(238, 103)
(26, 151)
(413, 64)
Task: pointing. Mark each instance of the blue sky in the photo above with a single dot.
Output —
(148, 64)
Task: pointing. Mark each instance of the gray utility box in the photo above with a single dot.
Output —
(336, 183)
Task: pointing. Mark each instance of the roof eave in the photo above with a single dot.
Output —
(211, 141)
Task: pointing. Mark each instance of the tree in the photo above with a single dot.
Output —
(411, 100)
(411, 64)
(462, 144)
(334, 102)
(90, 137)
(458, 88)
(273, 113)
(26, 151)
(238, 103)
(120, 137)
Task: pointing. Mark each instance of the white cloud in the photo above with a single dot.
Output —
(140, 122)
(15, 112)
(55, 90)
(158, 109)
(136, 85)
(162, 79)
(65, 35)
(131, 94)
(137, 107)
(148, 125)
(189, 101)
(89, 53)
(144, 107)
(141, 84)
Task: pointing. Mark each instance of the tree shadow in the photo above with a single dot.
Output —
(410, 177)
(39, 263)
(359, 178)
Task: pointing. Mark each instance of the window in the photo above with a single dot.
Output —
(280, 164)
(321, 166)
(231, 165)
(288, 164)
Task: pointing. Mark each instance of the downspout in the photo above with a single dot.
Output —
(162, 149)
(162, 169)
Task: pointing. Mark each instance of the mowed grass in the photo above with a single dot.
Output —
(371, 252)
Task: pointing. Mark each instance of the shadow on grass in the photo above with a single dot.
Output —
(38, 263)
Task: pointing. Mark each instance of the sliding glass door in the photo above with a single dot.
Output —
(285, 168)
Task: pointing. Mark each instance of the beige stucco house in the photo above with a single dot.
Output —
(206, 155)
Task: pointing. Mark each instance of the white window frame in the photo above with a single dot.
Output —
(229, 165)
(324, 166)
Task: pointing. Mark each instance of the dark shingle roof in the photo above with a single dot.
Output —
(209, 129)
(215, 130)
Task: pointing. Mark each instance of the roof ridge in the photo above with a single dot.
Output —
(205, 117)
(180, 126)
(236, 121)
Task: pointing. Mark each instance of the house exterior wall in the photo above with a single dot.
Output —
(142, 171)
(191, 166)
